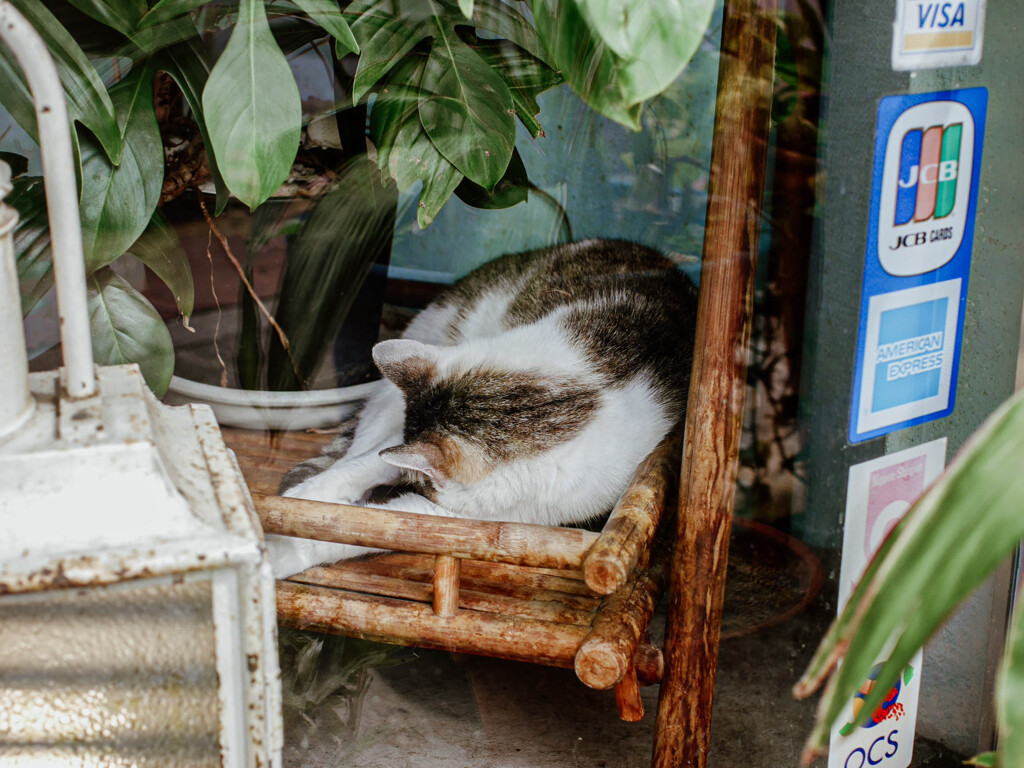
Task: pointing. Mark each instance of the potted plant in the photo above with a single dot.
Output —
(439, 85)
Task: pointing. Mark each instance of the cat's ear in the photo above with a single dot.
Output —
(407, 363)
(427, 458)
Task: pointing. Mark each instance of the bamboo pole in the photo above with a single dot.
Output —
(610, 650)
(627, 698)
(494, 578)
(411, 623)
(446, 586)
(510, 602)
(536, 545)
(718, 379)
(630, 529)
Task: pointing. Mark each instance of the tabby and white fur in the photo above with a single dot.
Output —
(528, 392)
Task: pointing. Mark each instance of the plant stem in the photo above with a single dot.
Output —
(282, 337)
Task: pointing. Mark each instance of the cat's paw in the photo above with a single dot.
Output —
(332, 487)
(290, 555)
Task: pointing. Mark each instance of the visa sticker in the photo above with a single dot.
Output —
(936, 33)
(921, 227)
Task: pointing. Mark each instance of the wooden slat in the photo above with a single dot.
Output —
(620, 625)
(537, 545)
(446, 586)
(522, 605)
(497, 578)
(629, 530)
(404, 622)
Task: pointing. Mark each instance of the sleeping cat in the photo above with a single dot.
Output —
(529, 392)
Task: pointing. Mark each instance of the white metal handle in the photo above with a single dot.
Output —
(61, 196)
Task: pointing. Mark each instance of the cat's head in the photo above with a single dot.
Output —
(467, 413)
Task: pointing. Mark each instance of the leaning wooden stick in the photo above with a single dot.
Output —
(715, 406)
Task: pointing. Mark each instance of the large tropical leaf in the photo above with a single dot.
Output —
(169, 10)
(466, 108)
(526, 75)
(513, 188)
(15, 95)
(122, 15)
(31, 241)
(618, 53)
(446, 98)
(403, 148)
(469, 93)
(88, 102)
(126, 329)
(956, 534)
(160, 249)
(252, 109)
(327, 14)
(118, 202)
(1010, 695)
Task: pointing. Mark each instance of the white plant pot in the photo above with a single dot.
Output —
(253, 409)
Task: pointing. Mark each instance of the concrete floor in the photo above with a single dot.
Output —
(443, 710)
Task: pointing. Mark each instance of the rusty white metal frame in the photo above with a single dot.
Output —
(61, 196)
(102, 485)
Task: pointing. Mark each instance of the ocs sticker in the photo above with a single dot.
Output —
(879, 493)
(923, 205)
(934, 33)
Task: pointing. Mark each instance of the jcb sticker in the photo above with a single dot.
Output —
(917, 261)
(926, 184)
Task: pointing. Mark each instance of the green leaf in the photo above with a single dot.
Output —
(31, 241)
(505, 21)
(986, 759)
(618, 53)
(385, 37)
(187, 64)
(17, 99)
(1010, 695)
(466, 6)
(169, 10)
(467, 110)
(950, 540)
(122, 15)
(403, 148)
(525, 75)
(327, 14)
(88, 102)
(126, 329)
(252, 109)
(511, 189)
(328, 261)
(117, 203)
(160, 249)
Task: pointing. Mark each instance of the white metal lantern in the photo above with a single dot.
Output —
(137, 613)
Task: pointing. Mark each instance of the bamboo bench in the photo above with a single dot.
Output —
(563, 597)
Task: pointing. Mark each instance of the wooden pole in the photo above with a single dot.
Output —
(627, 698)
(518, 543)
(402, 622)
(628, 533)
(715, 405)
(446, 586)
